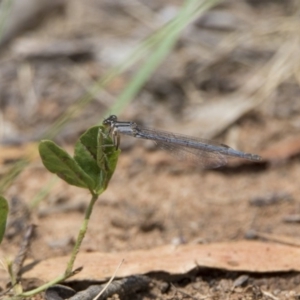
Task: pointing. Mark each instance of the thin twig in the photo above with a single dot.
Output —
(122, 287)
(109, 282)
(21, 256)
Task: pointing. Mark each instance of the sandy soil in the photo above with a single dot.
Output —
(154, 199)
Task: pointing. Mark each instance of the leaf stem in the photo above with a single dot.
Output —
(81, 233)
(45, 286)
(68, 272)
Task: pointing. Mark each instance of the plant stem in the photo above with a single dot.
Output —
(68, 272)
(17, 288)
(81, 233)
(45, 286)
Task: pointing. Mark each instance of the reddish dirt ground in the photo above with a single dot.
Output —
(154, 199)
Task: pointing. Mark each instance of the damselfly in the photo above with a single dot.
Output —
(206, 153)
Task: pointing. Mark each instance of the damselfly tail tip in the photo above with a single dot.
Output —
(253, 157)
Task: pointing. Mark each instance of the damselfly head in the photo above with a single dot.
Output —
(110, 120)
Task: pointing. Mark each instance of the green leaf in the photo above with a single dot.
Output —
(107, 158)
(3, 216)
(85, 153)
(96, 154)
(59, 162)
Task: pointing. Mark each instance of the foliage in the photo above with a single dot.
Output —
(3, 216)
(95, 159)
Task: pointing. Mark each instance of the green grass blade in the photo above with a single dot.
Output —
(164, 41)
(5, 10)
(13, 173)
(3, 216)
(43, 192)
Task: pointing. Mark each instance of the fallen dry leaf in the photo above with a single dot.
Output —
(248, 256)
(282, 150)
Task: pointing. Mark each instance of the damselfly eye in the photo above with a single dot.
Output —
(110, 120)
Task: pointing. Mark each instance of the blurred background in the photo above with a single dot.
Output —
(224, 70)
